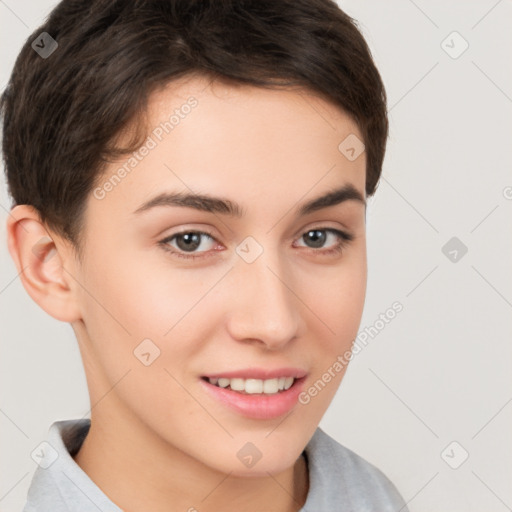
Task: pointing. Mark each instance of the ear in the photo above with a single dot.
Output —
(41, 259)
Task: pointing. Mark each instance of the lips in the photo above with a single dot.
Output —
(256, 393)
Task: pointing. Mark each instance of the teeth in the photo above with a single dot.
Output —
(223, 383)
(254, 386)
(237, 384)
(270, 385)
(288, 381)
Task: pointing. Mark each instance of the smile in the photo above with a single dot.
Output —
(254, 386)
(262, 399)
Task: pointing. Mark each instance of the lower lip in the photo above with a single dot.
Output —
(257, 406)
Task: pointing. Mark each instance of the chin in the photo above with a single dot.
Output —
(251, 462)
(262, 470)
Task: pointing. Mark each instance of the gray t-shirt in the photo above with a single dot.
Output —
(339, 479)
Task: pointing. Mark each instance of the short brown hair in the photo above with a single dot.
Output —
(61, 114)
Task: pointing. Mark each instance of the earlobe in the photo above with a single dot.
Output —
(39, 260)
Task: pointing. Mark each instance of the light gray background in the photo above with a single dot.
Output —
(440, 371)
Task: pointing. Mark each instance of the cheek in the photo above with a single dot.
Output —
(137, 313)
(141, 293)
(339, 306)
(134, 298)
(338, 299)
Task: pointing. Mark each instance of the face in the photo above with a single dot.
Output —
(256, 287)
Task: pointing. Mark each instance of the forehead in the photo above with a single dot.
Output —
(249, 143)
(245, 109)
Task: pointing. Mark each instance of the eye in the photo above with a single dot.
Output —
(187, 242)
(318, 236)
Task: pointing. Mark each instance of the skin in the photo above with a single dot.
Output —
(156, 438)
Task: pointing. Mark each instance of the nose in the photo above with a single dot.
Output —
(266, 307)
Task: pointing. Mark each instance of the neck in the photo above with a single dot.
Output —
(139, 471)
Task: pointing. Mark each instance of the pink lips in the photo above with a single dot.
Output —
(260, 405)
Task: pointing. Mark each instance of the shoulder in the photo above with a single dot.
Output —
(339, 475)
(59, 484)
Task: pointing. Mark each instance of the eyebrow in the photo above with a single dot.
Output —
(208, 203)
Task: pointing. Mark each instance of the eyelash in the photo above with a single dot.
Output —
(345, 239)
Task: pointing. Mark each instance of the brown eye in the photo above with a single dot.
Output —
(187, 243)
(317, 238)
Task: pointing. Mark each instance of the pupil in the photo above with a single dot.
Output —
(192, 241)
(317, 237)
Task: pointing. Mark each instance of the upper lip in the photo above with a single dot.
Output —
(260, 373)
